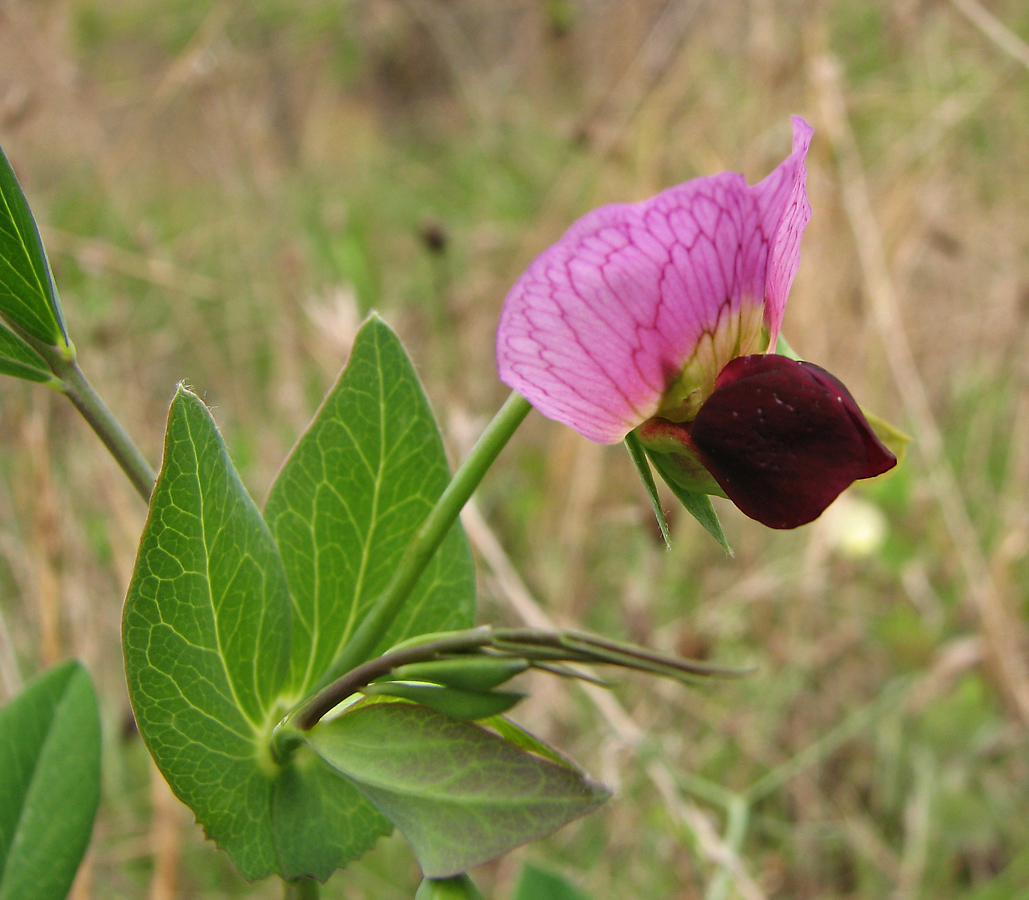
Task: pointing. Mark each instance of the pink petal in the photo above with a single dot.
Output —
(785, 213)
(603, 322)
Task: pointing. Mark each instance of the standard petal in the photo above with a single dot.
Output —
(603, 323)
(785, 211)
(783, 439)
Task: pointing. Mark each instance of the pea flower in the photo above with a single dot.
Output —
(662, 317)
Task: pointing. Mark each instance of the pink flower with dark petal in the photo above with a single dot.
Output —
(638, 317)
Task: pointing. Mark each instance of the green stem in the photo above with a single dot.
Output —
(74, 385)
(546, 650)
(87, 401)
(307, 715)
(429, 536)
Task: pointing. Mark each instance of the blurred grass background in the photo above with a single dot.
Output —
(226, 188)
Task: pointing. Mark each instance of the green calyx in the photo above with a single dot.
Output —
(668, 444)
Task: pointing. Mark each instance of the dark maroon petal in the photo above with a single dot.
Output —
(783, 438)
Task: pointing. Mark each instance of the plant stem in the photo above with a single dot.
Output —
(86, 400)
(546, 650)
(337, 691)
(429, 536)
(73, 384)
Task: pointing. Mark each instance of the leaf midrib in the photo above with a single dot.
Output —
(19, 241)
(210, 593)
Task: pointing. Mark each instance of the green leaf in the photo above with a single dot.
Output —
(49, 783)
(538, 884)
(206, 635)
(519, 737)
(697, 505)
(218, 648)
(639, 459)
(453, 702)
(18, 359)
(321, 820)
(28, 297)
(349, 499)
(472, 673)
(460, 794)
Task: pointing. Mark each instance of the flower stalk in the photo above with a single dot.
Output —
(429, 536)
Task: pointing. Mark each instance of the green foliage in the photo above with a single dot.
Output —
(49, 783)
(454, 702)
(904, 634)
(193, 181)
(343, 250)
(860, 30)
(697, 505)
(222, 634)
(321, 821)
(207, 650)
(348, 501)
(18, 359)
(639, 459)
(461, 795)
(206, 635)
(474, 673)
(517, 736)
(960, 720)
(1012, 882)
(28, 298)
